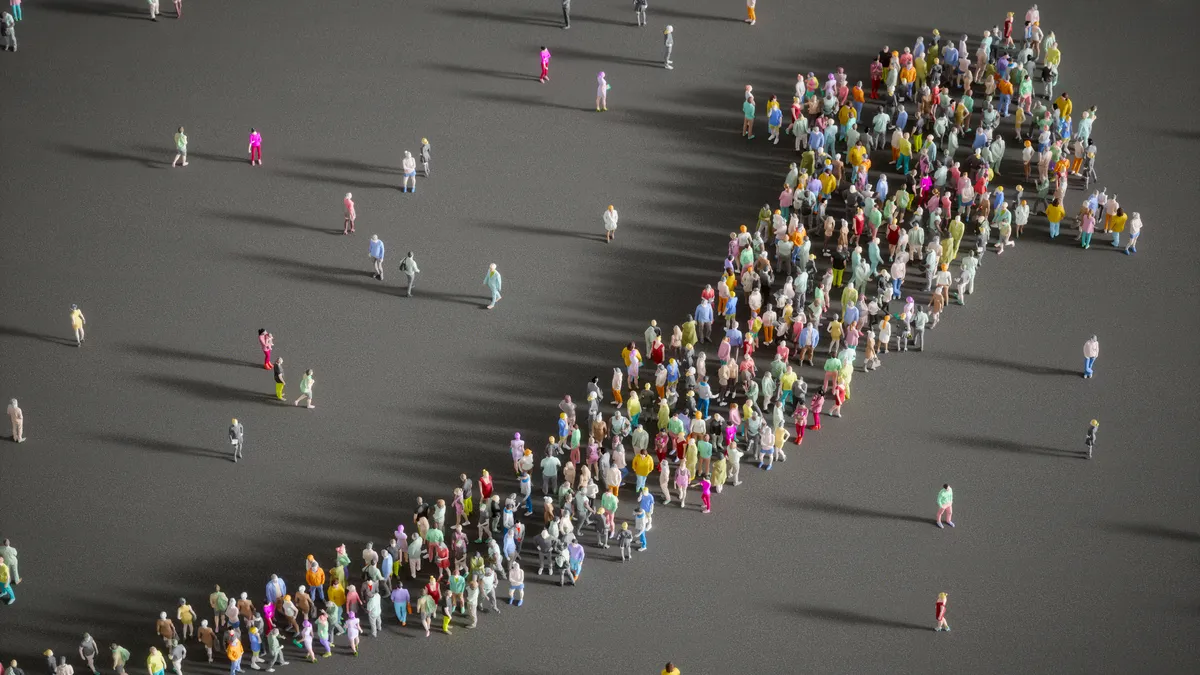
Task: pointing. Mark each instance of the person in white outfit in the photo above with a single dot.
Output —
(602, 87)
(409, 164)
(17, 417)
(610, 224)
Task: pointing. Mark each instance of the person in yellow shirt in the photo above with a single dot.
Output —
(155, 663)
(1054, 214)
(1063, 103)
(856, 155)
(643, 464)
(670, 669)
(77, 324)
(234, 652)
(904, 153)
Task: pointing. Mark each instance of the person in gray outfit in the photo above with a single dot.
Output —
(236, 438)
(639, 8)
(410, 269)
(668, 44)
(566, 5)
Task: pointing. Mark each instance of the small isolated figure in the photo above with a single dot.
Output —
(1090, 441)
(77, 323)
(236, 438)
(945, 502)
(610, 224)
(668, 44)
(940, 613)
(493, 282)
(426, 153)
(306, 386)
(409, 167)
(1091, 352)
(349, 214)
(376, 251)
(180, 146)
(410, 269)
(544, 55)
(254, 148)
(602, 87)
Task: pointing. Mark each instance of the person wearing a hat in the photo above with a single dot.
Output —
(610, 224)
(1090, 441)
(668, 43)
(77, 324)
(425, 154)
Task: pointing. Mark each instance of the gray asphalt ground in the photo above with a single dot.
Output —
(121, 500)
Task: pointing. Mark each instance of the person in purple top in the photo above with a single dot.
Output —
(255, 147)
(401, 601)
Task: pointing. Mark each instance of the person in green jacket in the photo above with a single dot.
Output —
(945, 501)
(306, 385)
(493, 282)
(180, 147)
(120, 657)
(689, 332)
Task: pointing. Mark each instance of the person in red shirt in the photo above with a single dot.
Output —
(940, 612)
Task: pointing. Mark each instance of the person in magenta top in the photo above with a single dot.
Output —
(705, 492)
(348, 204)
(818, 403)
(545, 56)
(266, 341)
(255, 147)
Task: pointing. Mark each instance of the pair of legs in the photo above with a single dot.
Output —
(154, 10)
(255, 154)
(79, 335)
(410, 182)
(348, 225)
(948, 510)
(495, 298)
(377, 263)
(179, 156)
(303, 396)
(602, 102)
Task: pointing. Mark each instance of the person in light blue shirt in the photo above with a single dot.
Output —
(774, 122)
(375, 247)
(493, 281)
(704, 319)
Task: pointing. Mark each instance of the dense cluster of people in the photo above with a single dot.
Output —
(831, 274)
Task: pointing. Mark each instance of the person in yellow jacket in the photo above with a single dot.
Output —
(643, 464)
(634, 407)
(234, 651)
(1117, 225)
(155, 663)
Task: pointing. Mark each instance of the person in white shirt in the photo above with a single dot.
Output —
(610, 224)
(17, 418)
(409, 166)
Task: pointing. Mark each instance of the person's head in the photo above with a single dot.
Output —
(425, 141)
(349, 195)
(941, 597)
(670, 29)
(374, 237)
(1095, 423)
(492, 267)
(181, 130)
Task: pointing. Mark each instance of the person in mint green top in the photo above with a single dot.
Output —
(493, 282)
(945, 500)
(748, 122)
(306, 385)
(458, 586)
(180, 147)
(833, 365)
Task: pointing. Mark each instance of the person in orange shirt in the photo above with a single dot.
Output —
(857, 96)
(234, 651)
(1005, 89)
(908, 75)
(315, 577)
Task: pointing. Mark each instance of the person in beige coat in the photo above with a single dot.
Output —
(17, 417)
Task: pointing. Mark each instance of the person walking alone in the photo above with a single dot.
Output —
(566, 7)
(668, 44)
(255, 147)
(348, 206)
(544, 55)
(610, 224)
(1091, 352)
(237, 438)
(410, 269)
(17, 417)
(180, 147)
(376, 250)
(77, 323)
(493, 282)
(945, 502)
(639, 8)
(602, 87)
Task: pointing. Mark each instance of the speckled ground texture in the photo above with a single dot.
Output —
(121, 502)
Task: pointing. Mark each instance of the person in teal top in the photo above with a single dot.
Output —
(748, 122)
(492, 281)
(180, 147)
(945, 500)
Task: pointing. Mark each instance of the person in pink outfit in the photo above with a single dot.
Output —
(545, 55)
(179, 13)
(705, 492)
(266, 341)
(16, 8)
(255, 147)
(348, 225)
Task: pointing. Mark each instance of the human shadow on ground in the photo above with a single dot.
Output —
(1003, 364)
(498, 17)
(443, 296)
(160, 446)
(102, 155)
(97, 8)
(576, 53)
(13, 331)
(680, 14)
(1154, 532)
(485, 72)
(1005, 445)
(510, 99)
(266, 220)
(343, 164)
(173, 354)
(835, 615)
(535, 230)
(208, 391)
(823, 507)
(335, 183)
(602, 20)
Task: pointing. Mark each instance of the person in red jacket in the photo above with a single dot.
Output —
(940, 613)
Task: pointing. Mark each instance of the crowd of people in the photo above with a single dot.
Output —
(867, 221)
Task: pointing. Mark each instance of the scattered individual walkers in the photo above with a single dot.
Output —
(411, 270)
(349, 214)
(254, 147)
(153, 9)
(77, 323)
(88, 651)
(945, 502)
(120, 658)
(1091, 352)
(610, 224)
(376, 250)
(266, 342)
(750, 16)
(940, 613)
(306, 386)
(180, 147)
(9, 30)
(544, 56)
(668, 44)
(426, 155)
(236, 438)
(279, 380)
(408, 166)
(602, 87)
(566, 8)
(493, 282)
(1090, 441)
(17, 418)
